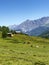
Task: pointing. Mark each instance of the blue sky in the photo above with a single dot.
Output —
(17, 11)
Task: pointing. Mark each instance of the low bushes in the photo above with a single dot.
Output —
(39, 63)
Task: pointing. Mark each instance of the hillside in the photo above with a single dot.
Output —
(45, 34)
(38, 31)
(24, 50)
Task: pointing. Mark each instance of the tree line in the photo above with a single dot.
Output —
(6, 30)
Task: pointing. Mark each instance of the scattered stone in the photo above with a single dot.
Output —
(37, 46)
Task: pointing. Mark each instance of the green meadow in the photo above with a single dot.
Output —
(24, 50)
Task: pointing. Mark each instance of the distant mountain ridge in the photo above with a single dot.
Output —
(33, 27)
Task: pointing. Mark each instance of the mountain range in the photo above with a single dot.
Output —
(33, 27)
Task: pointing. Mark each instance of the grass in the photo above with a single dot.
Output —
(24, 50)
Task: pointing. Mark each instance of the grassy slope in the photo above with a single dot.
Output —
(23, 50)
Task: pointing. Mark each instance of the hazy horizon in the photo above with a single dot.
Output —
(17, 11)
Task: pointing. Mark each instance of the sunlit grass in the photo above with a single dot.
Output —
(24, 50)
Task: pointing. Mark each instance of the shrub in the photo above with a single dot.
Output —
(5, 30)
(39, 63)
(4, 34)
